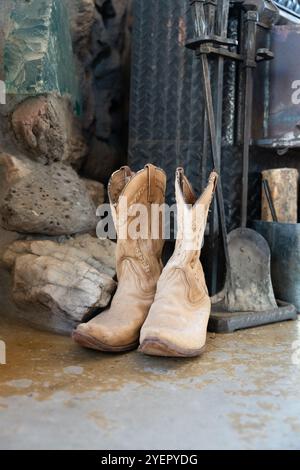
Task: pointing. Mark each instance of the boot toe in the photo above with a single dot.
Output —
(161, 342)
(100, 339)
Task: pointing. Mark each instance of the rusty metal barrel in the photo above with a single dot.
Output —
(284, 242)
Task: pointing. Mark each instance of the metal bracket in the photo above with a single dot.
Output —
(264, 54)
(221, 51)
(216, 40)
(211, 44)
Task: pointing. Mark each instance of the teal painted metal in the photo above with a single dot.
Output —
(284, 242)
(38, 55)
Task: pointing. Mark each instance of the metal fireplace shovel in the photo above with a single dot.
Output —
(248, 286)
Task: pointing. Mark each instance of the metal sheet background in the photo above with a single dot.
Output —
(167, 125)
(166, 115)
(292, 5)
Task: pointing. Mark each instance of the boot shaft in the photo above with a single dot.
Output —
(191, 215)
(146, 187)
(132, 196)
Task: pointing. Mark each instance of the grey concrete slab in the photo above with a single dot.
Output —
(242, 393)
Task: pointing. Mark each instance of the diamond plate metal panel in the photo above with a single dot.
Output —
(166, 114)
(291, 5)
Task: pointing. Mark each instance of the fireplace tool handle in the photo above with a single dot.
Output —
(204, 25)
(251, 19)
(214, 151)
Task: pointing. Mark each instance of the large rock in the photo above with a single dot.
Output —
(50, 200)
(101, 39)
(82, 16)
(58, 285)
(12, 169)
(96, 191)
(45, 127)
(99, 253)
(38, 55)
(102, 160)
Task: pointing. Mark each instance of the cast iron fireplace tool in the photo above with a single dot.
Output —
(206, 21)
(247, 298)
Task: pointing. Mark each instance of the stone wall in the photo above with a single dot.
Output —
(80, 50)
(63, 130)
(101, 36)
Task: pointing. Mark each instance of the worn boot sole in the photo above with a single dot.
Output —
(92, 343)
(157, 347)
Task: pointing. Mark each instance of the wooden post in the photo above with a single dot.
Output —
(283, 183)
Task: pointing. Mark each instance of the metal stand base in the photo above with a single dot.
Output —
(222, 321)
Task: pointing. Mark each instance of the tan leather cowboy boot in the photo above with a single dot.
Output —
(177, 321)
(138, 259)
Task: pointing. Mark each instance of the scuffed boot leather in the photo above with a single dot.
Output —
(138, 261)
(177, 322)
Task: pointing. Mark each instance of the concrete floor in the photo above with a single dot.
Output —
(243, 393)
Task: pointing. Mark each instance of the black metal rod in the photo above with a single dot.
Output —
(218, 25)
(270, 200)
(205, 24)
(222, 17)
(250, 56)
(214, 148)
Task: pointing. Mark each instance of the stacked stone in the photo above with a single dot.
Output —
(60, 272)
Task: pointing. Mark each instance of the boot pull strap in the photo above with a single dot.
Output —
(187, 191)
(127, 172)
(151, 169)
(213, 178)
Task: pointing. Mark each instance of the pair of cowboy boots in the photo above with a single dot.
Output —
(164, 310)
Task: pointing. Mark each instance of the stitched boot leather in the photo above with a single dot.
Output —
(138, 265)
(177, 322)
